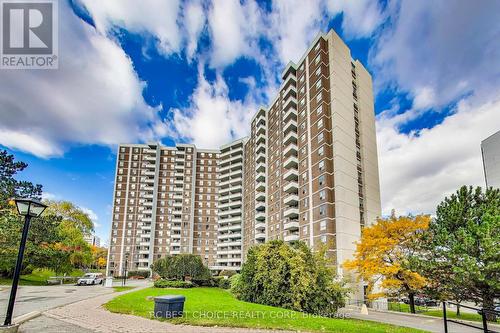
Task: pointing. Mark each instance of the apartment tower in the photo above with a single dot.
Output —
(308, 171)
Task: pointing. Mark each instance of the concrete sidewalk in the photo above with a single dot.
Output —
(427, 323)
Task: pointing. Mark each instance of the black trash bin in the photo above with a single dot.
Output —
(169, 306)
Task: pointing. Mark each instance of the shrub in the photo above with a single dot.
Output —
(172, 284)
(144, 274)
(227, 273)
(208, 282)
(235, 280)
(224, 283)
(289, 276)
(181, 266)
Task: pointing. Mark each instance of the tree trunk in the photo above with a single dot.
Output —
(458, 309)
(411, 297)
(488, 303)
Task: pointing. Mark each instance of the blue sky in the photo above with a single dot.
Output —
(196, 71)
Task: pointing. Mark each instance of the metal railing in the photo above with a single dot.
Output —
(482, 312)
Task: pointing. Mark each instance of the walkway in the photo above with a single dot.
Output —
(427, 323)
(91, 316)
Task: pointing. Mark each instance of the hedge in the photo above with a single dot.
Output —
(173, 284)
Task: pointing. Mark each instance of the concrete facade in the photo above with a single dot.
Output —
(308, 171)
(490, 149)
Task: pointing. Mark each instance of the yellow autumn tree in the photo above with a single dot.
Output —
(384, 253)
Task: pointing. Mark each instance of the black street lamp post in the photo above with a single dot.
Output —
(28, 208)
(124, 280)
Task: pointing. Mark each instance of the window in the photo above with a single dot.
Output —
(318, 98)
(322, 195)
(318, 84)
(321, 137)
(320, 123)
(319, 110)
(322, 210)
(323, 239)
(321, 151)
(316, 48)
(322, 225)
(321, 180)
(318, 71)
(318, 58)
(321, 165)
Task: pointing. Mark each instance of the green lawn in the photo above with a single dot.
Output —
(213, 306)
(451, 313)
(118, 289)
(38, 277)
(403, 307)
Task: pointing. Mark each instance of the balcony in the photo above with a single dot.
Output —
(149, 158)
(260, 216)
(260, 186)
(291, 213)
(261, 130)
(292, 174)
(291, 200)
(291, 137)
(261, 147)
(260, 177)
(261, 157)
(290, 90)
(291, 162)
(291, 238)
(260, 226)
(290, 125)
(291, 187)
(291, 101)
(229, 236)
(291, 225)
(291, 149)
(261, 138)
(260, 206)
(260, 167)
(260, 236)
(290, 114)
(260, 196)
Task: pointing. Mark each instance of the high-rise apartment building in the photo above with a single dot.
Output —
(308, 171)
(490, 149)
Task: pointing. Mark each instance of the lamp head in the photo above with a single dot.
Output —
(29, 207)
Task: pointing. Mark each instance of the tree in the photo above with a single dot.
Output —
(43, 246)
(461, 248)
(384, 255)
(289, 276)
(178, 267)
(99, 255)
(10, 187)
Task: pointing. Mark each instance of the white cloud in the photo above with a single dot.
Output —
(194, 22)
(418, 169)
(360, 17)
(95, 97)
(439, 54)
(449, 49)
(294, 24)
(156, 17)
(212, 119)
(234, 29)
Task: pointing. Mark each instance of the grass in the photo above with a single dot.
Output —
(38, 277)
(453, 315)
(403, 307)
(118, 289)
(450, 314)
(218, 307)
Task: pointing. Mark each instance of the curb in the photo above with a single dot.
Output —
(25, 317)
